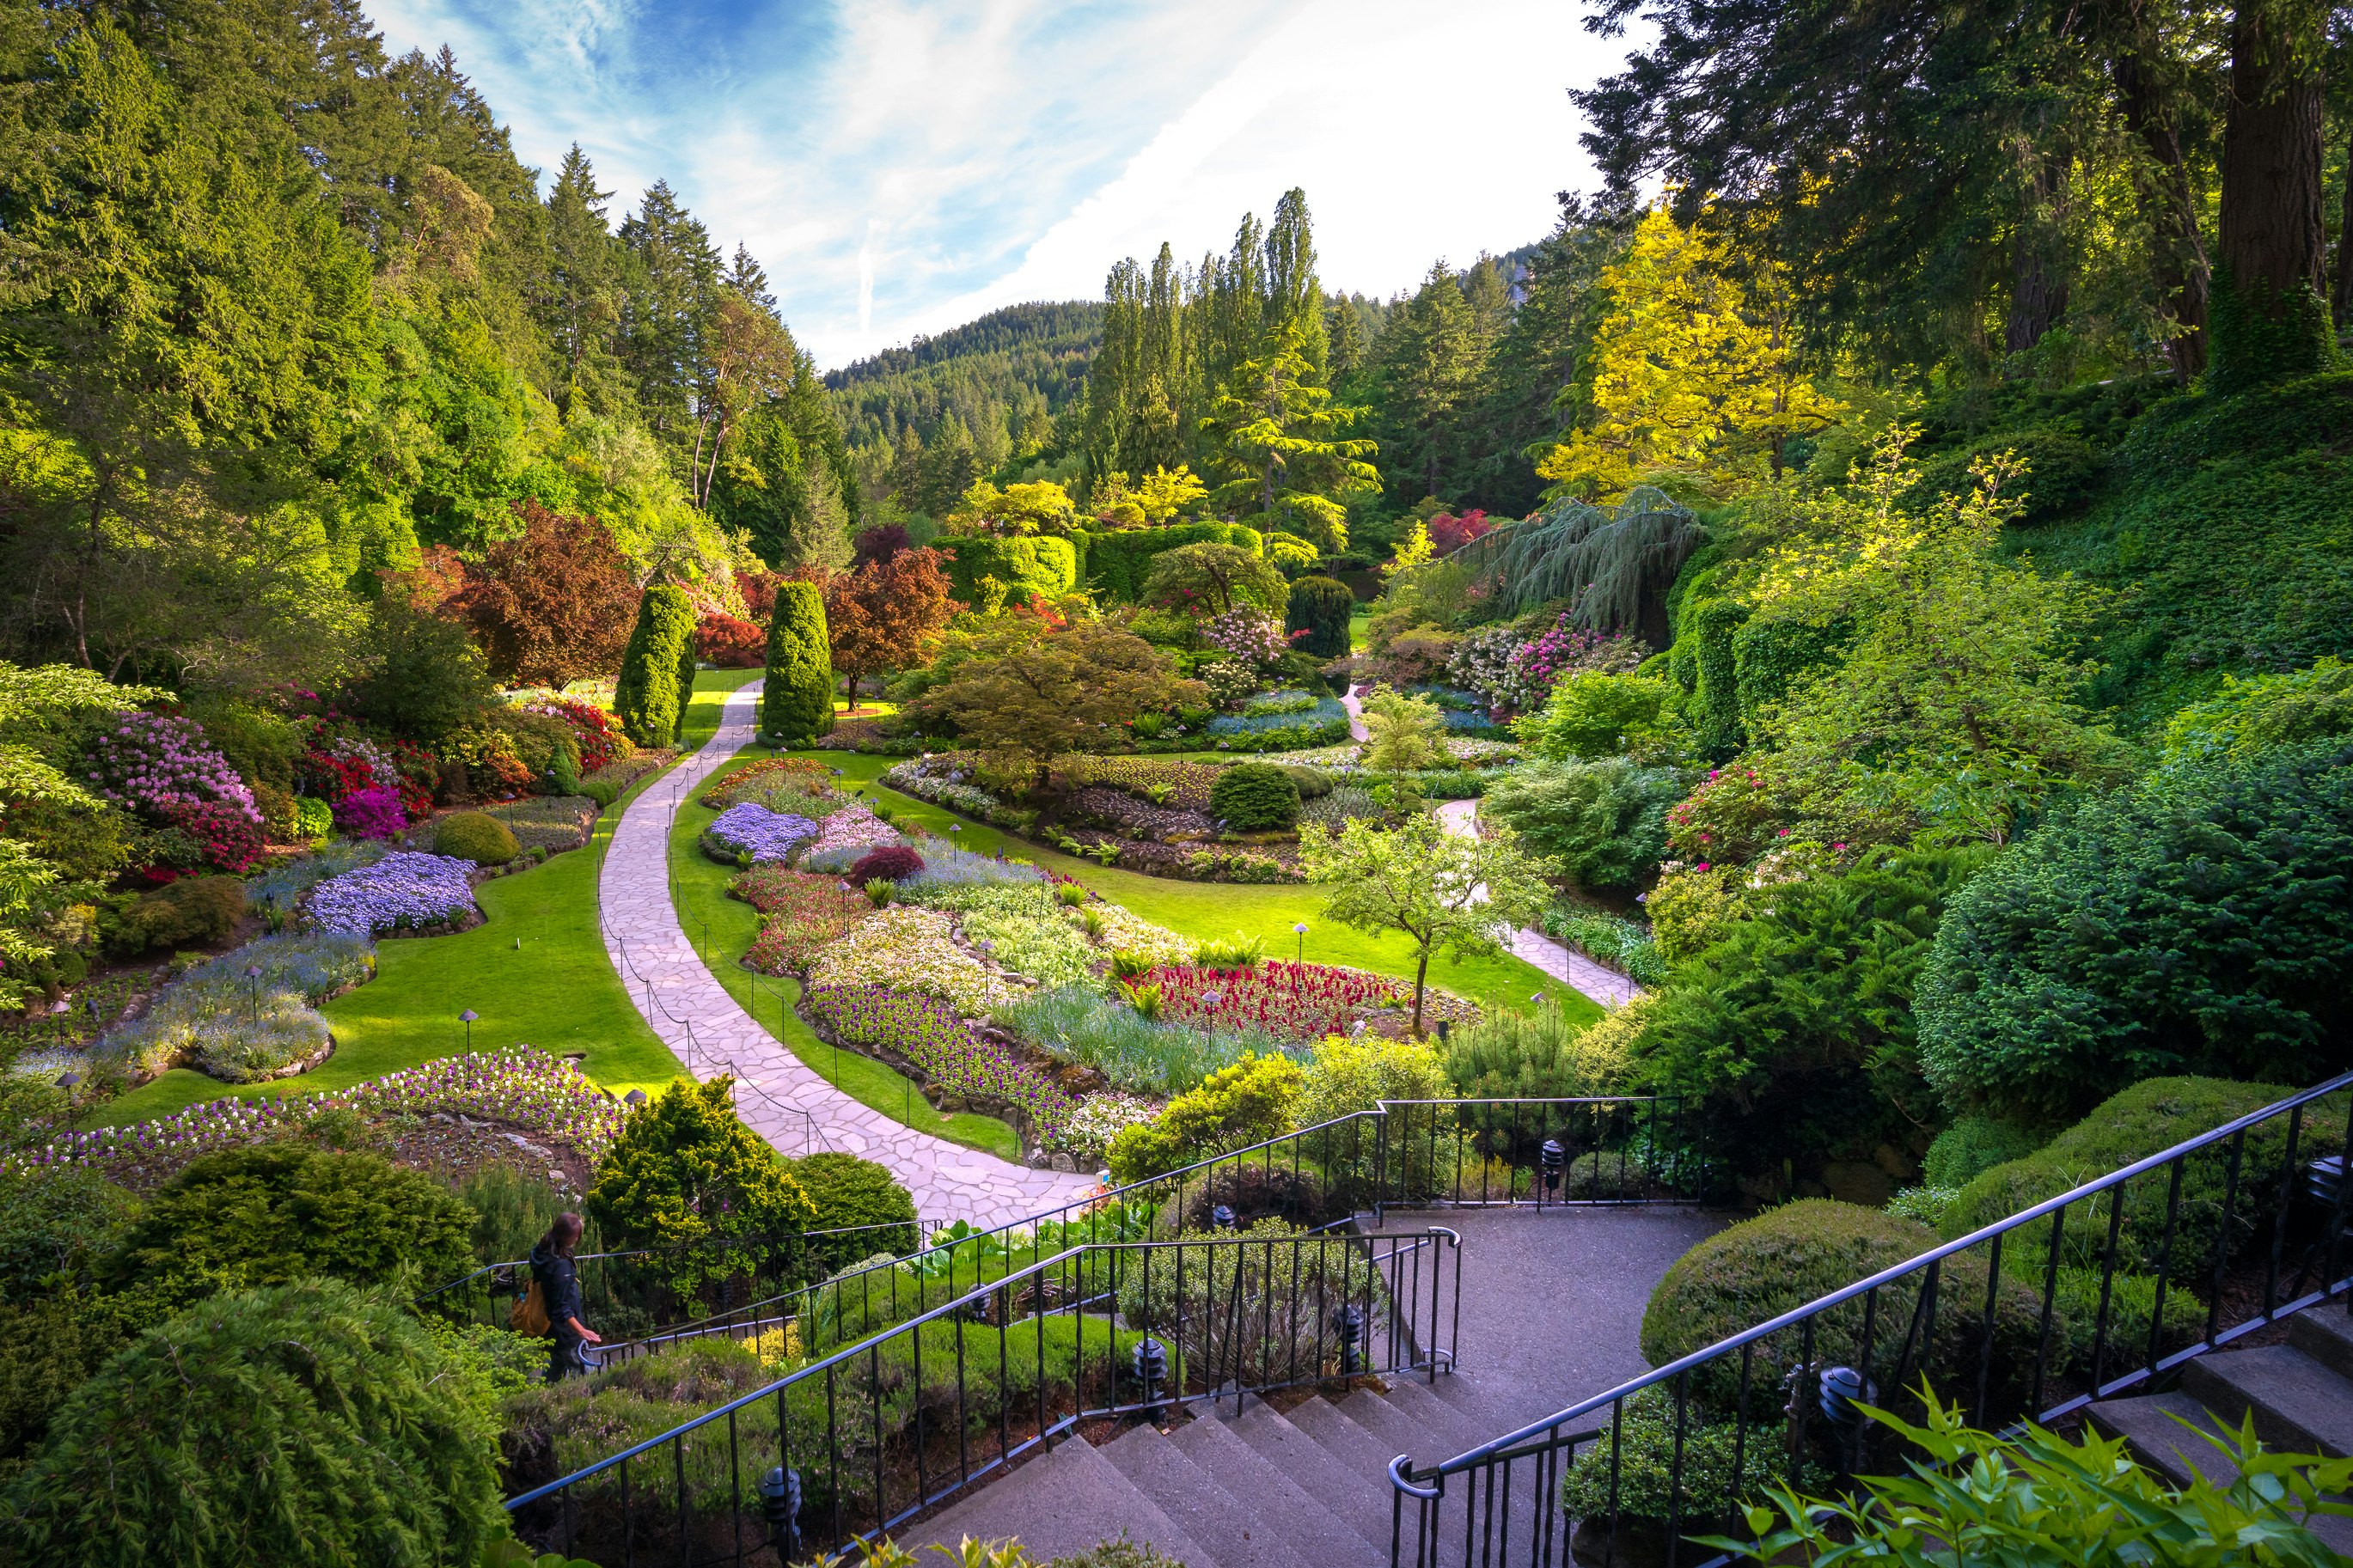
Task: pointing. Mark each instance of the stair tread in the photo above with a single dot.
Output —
(1344, 1484)
(2298, 1403)
(1362, 1449)
(1389, 1422)
(2325, 1332)
(1314, 1530)
(2147, 1423)
(1438, 1424)
(1197, 1501)
(1064, 1502)
(1493, 1411)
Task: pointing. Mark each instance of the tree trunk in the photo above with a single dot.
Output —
(2177, 263)
(2273, 235)
(2039, 283)
(2342, 301)
(1421, 973)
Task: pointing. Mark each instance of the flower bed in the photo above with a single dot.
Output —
(749, 829)
(543, 1095)
(1326, 721)
(1074, 1023)
(931, 1038)
(1299, 1003)
(551, 822)
(1094, 1122)
(403, 891)
(746, 781)
(150, 762)
(923, 779)
(803, 913)
(596, 733)
(945, 866)
(283, 885)
(1023, 930)
(909, 949)
(853, 827)
(1182, 785)
(1139, 818)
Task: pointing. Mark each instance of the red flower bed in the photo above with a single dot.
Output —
(800, 912)
(332, 778)
(749, 779)
(720, 639)
(230, 839)
(1301, 1002)
(596, 733)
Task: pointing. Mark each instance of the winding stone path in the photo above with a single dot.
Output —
(787, 1102)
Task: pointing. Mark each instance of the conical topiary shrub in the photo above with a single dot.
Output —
(1320, 607)
(796, 703)
(658, 669)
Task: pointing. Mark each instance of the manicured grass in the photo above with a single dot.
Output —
(722, 928)
(1358, 619)
(556, 990)
(1221, 908)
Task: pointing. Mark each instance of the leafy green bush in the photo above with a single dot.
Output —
(846, 1191)
(1757, 1270)
(55, 1224)
(1592, 714)
(471, 835)
(262, 1215)
(1257, 1313)
(512, 1212)
(2194, 925)
(55, 1345)
(1320, 607)
(1607, 939)
(650, 698)
(2262, 713)
(691, 1181)
(1252, 797)
(1348, 1075)
(1536, 1054)
(1040, 565)
(1241, 1105)
(192, 911)
(1793, 1031)
(1118, 563)
(796, 699)
(1632, 1470)
(1972, 1145)
(1313, 783)
(1605, 821)
(303, 1423)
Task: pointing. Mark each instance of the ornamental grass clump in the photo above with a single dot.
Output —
(930, 1037)
(1076, 1023)
(945, 866)
(402, 891)
(752, 829)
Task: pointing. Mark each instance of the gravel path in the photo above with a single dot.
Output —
(1604, 985)
(787, 1102)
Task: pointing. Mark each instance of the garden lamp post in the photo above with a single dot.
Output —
(1152, 1371)
(780, 1507)
(1348, 1325)
(253, 993)
(467, 1018)
(848, 892)
(1300, 931)
(1213, 1000)
(1554, 1158)
(635, 1099)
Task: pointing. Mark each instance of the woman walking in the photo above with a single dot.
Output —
(559, 1287)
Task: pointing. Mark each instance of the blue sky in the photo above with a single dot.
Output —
(901, 167)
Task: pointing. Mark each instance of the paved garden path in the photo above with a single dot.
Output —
(790, 1103)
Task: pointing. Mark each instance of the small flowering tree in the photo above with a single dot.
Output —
(151, 761)
(1248, 634)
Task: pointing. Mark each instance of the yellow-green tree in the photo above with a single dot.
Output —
(1697, 371)
(1018, 510)
(1281, 449)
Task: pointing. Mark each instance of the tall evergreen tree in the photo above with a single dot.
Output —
(672, 290)
(1432, 358)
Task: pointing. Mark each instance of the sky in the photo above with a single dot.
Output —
(901, 167)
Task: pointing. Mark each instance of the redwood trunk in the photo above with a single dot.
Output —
(2038, 281)
(2342, 303)
(2273, 240)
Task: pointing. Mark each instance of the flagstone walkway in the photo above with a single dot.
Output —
(786, 1102)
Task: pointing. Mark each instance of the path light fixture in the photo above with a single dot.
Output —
(1844, 1391)
(1151, 1362)
(1348, 1326)
(1554, 1159)
(635, 1099)
(467, 1018)
(1300, 931)
(780, 1506)
(253, 993)
(1213, 1000)
(67, 1079)
(1222, 1218)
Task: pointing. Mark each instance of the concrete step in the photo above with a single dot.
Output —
(2325, 1334)
(1366, 1453)
(1384, 1419)
(1065, 1502)
(2299, 1405)
(1449, 1426)
(1340, 1483)
(1316, 1535)
(1201, 1507)
(1493, 1409)
(2151, 1425)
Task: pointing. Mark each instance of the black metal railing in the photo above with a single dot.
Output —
(876, 1416)
(1404, 1154)
(2080, 1297)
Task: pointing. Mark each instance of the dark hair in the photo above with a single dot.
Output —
(564, 1234)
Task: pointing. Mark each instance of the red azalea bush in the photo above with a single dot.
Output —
(230, 839)
(1300, 1002)
(1449, 533)
(596, 734)
(420, 777)
(893, 863)
(333, 778)
(720, 639)
(1735, 815)
(372, 813)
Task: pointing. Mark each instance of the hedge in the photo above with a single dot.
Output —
(1768, 657)
(1043, 565)
(796, 699)
(1713, 625)
(1118, 562)
(656, 678)
(1320, 607)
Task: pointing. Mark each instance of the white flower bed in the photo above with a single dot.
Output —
(909, 949)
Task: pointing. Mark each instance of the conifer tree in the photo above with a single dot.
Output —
(1431, 360)
(796, 699)
(657, 680)
(1278, 444)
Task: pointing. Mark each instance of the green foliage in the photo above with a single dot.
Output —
(1711, 626)
(1119, 563)
(56, 1343)
(846, 1191)
(1320, 607)
(1351, 1075)
(2262, 714)
(275, 1212)
(1771, 655)
(1406, 733)
(471, 835)
(1250, 797)
(1633, 1471)
(1608, 939)
(1246, 1103)
(796, 699)
(649, 697)
(688, 1179)
(1536, 1055)
(2040, 1497)
(1313, 783)
(1604, 822)
(1208, 579)
(2196, 924)
(426, 680)
(55, 1226)
(1615, 562)
(1040, 566)
(512, 1212)
(1590, 714)
(195, 912)
(301, 1422)
(2259, 336)
(1972, 1145)
(1754, 1271)
(1795, 1030)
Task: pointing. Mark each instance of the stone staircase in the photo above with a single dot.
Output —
(2300, 1392)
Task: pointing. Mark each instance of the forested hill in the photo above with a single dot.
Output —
(1009, 371)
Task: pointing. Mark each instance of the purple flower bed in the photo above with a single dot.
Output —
(403, 889)
(150, 761)
(767, 835)
(929, 1035)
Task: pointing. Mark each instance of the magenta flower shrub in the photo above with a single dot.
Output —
(930, 1037)
(150, 763)
(375, 811)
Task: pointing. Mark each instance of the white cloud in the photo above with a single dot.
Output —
(901, 166)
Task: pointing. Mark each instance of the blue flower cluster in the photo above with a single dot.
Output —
(766, 835)
(1327, 714)
(401, 891)
(284, 884)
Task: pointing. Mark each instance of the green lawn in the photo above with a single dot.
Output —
(1221, 908)
(721, 930)
(555, 990)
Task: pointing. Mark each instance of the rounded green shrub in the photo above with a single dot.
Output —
(1973, 1145)
(1246, 1103)
(657, 680)
(192, 911)
(1320, 607)
(1313, 783)
(1252, 797)
(849, 1193)
(54, 1225)
(303, 1423)
(1605, 821)
(1787, 1257)
(477, 837)
(796, 700)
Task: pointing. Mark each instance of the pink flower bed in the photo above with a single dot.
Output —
(1297, 1002)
